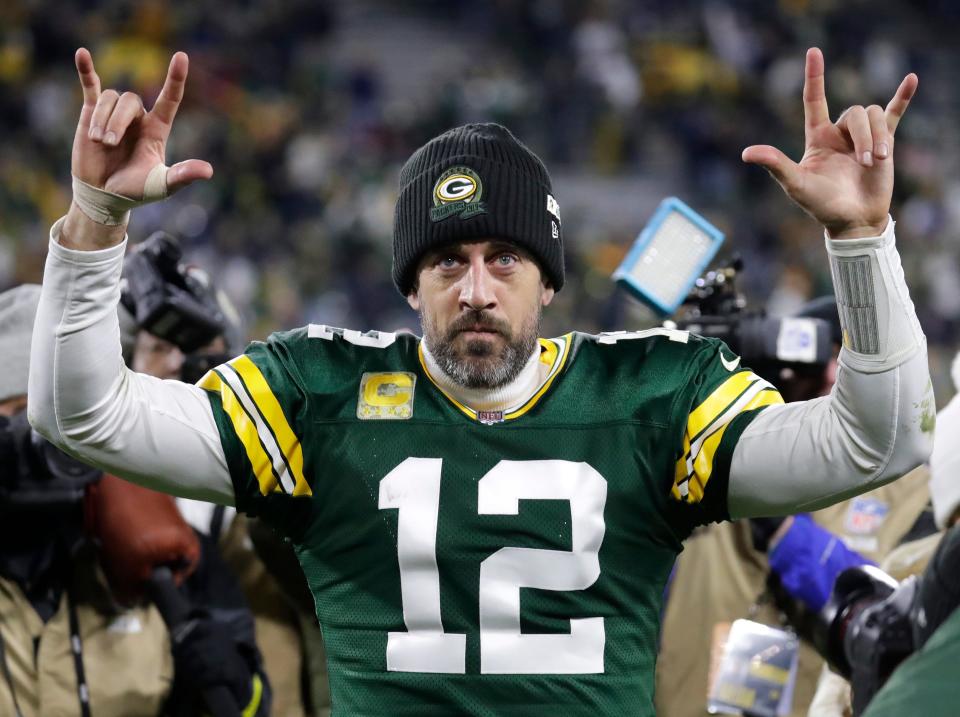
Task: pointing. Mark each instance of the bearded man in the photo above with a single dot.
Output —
(486, 519)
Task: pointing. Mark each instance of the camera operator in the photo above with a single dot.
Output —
(176, 324)
(723, 573)
(77, 636)
(927, 681)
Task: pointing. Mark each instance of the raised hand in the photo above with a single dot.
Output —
(118, 142)
(845, 178)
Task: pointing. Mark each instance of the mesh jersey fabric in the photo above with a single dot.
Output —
(608, 468)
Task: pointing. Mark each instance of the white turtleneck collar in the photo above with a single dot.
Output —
(521, 389)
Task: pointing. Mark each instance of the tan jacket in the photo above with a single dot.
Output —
(719, 577)
(126, 654)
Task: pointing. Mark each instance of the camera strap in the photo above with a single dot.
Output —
(216, 523)
(6, 675)
(76, 647)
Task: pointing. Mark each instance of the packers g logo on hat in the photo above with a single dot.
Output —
(458, 192)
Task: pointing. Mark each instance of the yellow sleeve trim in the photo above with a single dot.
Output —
(690, 485)
(246, 431)
(270, 409)
(718, 402)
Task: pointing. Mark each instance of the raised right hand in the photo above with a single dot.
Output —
(118, 142)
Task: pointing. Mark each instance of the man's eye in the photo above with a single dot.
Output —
(506, 260)
(448, 262)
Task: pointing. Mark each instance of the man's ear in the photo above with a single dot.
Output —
(546, 296)
(413, 298)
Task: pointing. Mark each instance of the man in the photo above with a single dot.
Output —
(927, 679)
(486, 519)
(77, 635)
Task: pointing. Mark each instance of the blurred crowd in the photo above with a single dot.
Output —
(307, 110)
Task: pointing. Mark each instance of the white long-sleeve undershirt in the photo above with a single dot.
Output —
(876, 424)
(162, 434)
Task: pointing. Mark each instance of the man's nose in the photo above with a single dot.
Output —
(477, 290)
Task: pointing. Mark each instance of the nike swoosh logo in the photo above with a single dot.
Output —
(729, 365)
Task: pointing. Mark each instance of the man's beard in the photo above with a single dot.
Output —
(479, 363)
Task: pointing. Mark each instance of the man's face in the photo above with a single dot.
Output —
(480, 304)
(158, 357)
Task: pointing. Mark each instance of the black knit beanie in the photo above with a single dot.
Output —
(473, 182)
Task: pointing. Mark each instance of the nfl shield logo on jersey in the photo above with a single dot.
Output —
(386, 395)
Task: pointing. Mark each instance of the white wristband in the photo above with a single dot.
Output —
(111, 209)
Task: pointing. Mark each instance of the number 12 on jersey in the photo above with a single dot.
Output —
(413, 487)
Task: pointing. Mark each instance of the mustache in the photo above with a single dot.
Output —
(480, 319)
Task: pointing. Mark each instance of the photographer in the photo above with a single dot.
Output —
(78, 551)
(723, 573)
(927, 680)
(176, 324)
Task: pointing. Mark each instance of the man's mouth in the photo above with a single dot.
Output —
(477, 336)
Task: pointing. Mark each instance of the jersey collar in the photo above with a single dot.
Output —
(510, 401)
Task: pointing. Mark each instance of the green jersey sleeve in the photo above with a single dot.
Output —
(726, 398)
(259, 404)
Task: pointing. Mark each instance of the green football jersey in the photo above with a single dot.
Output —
(485, 563)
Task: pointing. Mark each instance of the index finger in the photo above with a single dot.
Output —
(167, 104)
(901, 100)
(89, 80)
(815, 110)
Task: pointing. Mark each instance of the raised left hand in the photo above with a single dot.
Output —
(845, 178)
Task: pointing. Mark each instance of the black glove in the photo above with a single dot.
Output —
(205, 655)
(762, 530)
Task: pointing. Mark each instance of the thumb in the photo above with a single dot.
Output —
(187, 172)
(783, 169)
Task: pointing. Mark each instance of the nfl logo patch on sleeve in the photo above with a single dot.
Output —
(386, 396)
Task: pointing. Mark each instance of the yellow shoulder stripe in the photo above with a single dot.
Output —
(717, 402)
(694, 468)
(246, 431)
(270, 409)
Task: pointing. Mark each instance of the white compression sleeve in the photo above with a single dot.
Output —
(877, 422)
(160, 434)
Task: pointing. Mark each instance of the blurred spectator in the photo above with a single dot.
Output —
(922, 683)
(194, 327)
(78, 555)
